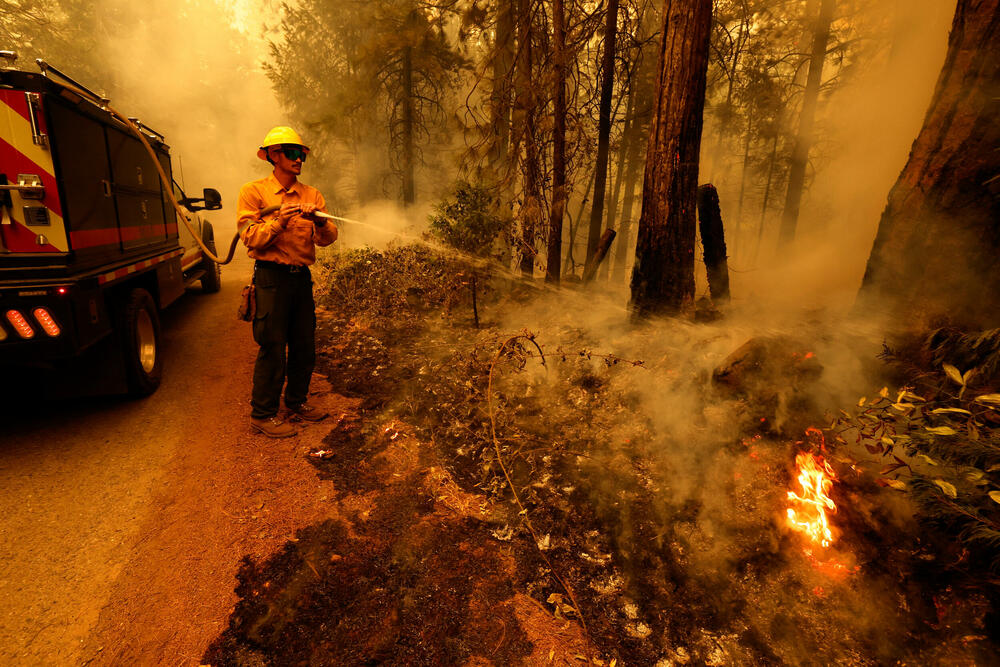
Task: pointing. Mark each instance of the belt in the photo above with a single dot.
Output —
(284, 268)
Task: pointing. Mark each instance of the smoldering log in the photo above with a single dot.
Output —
(713, 240)
(603, 245)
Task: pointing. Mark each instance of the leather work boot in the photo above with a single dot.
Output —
(307, 413)
(273, 427)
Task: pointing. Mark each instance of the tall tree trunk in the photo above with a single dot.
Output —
(408, 184)
(574, 223)
(737, 234)
(553, 265)
(635, 158)
(530, 212)
(663, 276)
(767, 195)
(503, 62)
(611, 212)
(807, 118)
(603, 128)
(939, 237)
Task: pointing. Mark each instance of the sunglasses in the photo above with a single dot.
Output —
(294, 153)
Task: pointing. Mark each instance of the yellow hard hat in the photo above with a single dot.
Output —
(277, 136)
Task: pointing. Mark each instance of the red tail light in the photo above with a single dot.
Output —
(20, 324)
(48, 323)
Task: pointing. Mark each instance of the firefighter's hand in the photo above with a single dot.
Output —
(286, 213)
(307, 209)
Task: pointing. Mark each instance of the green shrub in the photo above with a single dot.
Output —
(470, 220)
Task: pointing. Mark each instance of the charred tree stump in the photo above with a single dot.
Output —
(599, 254)
(713, 240)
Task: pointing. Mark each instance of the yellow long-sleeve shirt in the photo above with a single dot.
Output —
(265, 238)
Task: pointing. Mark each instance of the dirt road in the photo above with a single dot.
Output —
(125, 521)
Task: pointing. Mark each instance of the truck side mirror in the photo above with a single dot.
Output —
(213, 200)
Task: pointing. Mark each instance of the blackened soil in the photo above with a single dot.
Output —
(405, 587)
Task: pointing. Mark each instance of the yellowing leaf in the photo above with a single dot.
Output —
(949, 489)
(862, 400)
(968, 374)
(941, 411)
(884, 393)
(896, 484)
(993, 468)
(903, 407)
(886, 440)
(992, 400)
(910, 396)
(954, 374)
(995, 495)
(941, 430)
(927, 459)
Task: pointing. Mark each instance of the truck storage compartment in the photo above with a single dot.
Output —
(31, 216)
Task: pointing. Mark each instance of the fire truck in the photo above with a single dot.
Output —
(90, 246)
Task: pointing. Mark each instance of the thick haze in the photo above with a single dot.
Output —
(191, 69)
(867, 128)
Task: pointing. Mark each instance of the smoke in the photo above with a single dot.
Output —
(379, 223)
(192, 71)
(865, 129)
(716, 464)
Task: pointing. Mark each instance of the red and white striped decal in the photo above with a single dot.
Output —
(188, 262)
(19, 154)
(118, 274)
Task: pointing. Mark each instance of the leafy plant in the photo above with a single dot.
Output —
(943, 449)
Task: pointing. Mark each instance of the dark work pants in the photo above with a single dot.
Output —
(286, 318)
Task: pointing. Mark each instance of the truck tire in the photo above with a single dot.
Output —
(211, 281)
(139, 334)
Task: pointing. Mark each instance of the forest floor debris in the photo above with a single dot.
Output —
(656, 497)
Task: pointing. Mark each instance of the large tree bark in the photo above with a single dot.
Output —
(603, 128)
(807, 118)
(553, 266)
(939, 237)
(663, 276)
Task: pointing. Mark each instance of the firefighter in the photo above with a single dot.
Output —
(283, 245)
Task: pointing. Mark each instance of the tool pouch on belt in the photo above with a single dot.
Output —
(248, 303)
(248, 300)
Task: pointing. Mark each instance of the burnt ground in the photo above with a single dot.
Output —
(431, 561)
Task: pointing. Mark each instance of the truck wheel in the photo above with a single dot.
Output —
(140, 338)
(211, 281)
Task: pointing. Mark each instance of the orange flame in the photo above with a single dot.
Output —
(808, 511)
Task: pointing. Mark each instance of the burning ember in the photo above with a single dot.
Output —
(808, 511)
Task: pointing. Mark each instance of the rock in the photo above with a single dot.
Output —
(773, 373)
